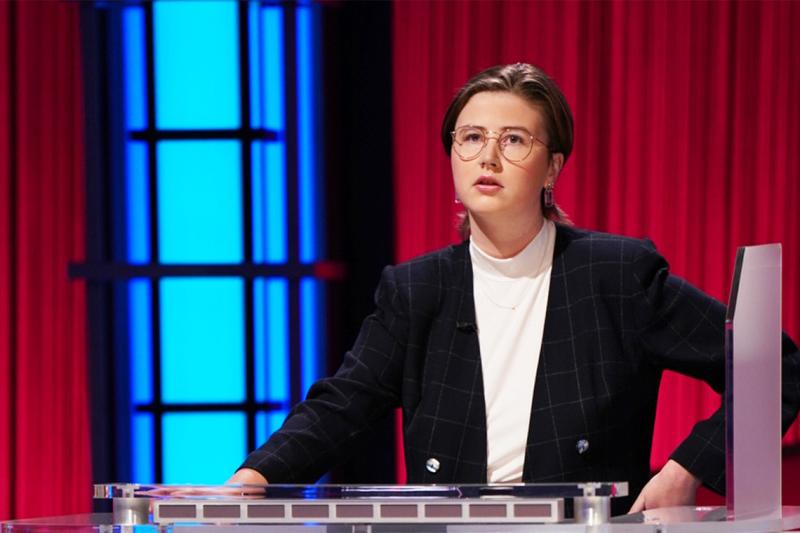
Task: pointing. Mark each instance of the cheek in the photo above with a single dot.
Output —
(459, 170)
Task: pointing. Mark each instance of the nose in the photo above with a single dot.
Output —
(490, 157)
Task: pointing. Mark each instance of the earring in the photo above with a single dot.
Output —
(548, 195)
(457, 201)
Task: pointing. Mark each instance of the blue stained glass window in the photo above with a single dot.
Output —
(196, 64)
(204, 448)
(202, 340)
(198, 218)
(199, 201)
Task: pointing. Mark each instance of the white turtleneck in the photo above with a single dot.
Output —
(510, 306)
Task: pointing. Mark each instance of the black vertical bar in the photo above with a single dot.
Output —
(12, 237)
(247, 217)
(155, 292)
(292, 208)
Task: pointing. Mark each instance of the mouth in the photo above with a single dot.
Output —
(487, 184)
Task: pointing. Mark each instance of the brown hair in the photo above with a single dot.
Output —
(533, 85)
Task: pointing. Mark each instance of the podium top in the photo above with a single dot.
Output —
(350, 492)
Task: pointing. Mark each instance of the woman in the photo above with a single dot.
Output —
(532, 351)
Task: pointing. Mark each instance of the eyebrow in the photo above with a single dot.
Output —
(501, 127)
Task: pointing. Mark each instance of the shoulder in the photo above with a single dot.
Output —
(421, 284)
(596, 246)
(433, 267)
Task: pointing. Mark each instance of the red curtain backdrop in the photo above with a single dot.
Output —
(45, 466)
(687, 132)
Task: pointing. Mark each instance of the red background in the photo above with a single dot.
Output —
(45, 465)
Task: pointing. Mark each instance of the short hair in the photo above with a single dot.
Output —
(534, 86)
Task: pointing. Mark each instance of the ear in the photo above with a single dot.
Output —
(556, 164)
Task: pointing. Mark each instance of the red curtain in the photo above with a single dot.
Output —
(687, 131)
(45, 466)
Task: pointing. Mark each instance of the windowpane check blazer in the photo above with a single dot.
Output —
(615, 320)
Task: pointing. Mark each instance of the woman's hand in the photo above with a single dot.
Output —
(671, 487)
(247, 476)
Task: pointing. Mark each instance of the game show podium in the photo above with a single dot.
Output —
(753, 473)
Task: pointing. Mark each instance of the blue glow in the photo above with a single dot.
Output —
(310, 354)
(134, 68)
(138, 202)
(271, 312)
(203, 448)
(196, 64)
(276, 245)
(202, 340)
(268, 423)
(272, 86)
(256, 96)
(308, 184)
(269, 183)
(257, 190)
(141, 340)
(142, 448)
(199, 202)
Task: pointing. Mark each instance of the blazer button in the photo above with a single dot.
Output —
(582, 446)
(432, 465)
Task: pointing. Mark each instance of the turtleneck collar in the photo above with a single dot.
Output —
(531, 261)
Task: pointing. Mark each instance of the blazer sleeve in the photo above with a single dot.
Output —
(316, 434)
(682, 329)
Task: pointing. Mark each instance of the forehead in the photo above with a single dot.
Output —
(494, 109)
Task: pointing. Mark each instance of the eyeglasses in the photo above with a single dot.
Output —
(515, 143)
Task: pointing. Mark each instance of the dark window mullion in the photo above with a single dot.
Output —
(247, 220)
(155, 284)
(292, 196)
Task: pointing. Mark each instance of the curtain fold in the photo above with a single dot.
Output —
(686, 132)
(45, 466)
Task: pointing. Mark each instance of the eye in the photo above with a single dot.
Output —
(470, 136)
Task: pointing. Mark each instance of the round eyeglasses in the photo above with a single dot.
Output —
(515, 143)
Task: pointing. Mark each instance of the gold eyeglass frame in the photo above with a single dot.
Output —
(496, 136)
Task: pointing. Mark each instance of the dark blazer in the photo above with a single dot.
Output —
(615, 320)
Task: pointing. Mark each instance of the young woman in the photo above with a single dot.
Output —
(532, 351)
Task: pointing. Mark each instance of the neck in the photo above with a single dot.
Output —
(503, 239)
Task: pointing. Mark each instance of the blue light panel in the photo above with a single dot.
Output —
(142, 448)
(269, 159)
(204, 448)
(308, 184)
(141, 340)
(134, 67)
(256, 83)
(199, 202)
(271, 312)
(272, 73)
(137, 202)
(202, 340)
(269, 206)
(196, 64)
(309, 331)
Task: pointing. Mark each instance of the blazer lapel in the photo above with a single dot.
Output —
(543, 455)
(469, 375)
